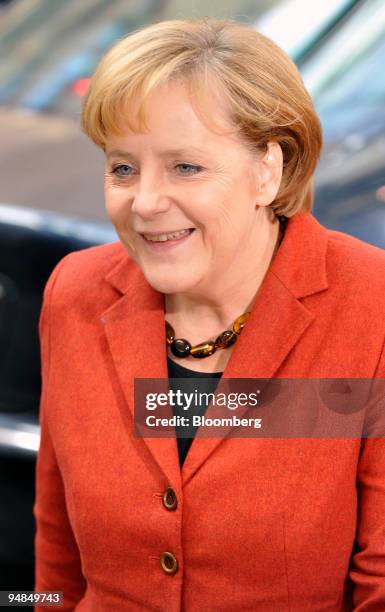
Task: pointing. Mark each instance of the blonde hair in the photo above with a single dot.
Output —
(264, 92)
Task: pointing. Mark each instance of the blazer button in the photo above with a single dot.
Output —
(169, 563)
(170, 500)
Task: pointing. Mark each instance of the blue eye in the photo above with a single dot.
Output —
(189, 167)
(122, 170)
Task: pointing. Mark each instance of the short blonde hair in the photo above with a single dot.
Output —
(264, 92)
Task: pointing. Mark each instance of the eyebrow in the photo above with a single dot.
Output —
(166, 153)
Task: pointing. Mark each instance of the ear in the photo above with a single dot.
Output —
(269, 174)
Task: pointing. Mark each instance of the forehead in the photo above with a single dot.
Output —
(176, 120)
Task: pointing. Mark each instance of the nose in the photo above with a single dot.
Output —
(149, 198)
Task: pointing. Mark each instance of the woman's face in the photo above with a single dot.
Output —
(183, 176)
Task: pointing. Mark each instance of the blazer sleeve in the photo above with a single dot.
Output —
(367, 570)
(57, 558)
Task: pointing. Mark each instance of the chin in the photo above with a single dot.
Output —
(169, 284)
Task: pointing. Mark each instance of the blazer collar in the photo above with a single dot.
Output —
(134, 327)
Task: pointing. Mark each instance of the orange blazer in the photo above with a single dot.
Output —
(267, 525)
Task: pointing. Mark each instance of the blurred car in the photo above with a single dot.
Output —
(343, 71)
(50, 51)
(31, 243)
(47, 44)
(345, 78)
(310, 24)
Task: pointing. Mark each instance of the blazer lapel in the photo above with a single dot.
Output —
(134, 327)
(135, 331)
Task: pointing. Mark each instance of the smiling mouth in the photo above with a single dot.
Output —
(168, 236)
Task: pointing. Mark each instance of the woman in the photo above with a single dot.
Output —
(211, 142)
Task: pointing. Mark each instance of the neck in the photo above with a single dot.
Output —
(200, 314)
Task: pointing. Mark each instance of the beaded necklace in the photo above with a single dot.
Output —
(182, 348)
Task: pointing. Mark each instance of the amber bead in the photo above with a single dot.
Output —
(204, 349)
(170, 334)
(180, 347)
(239, 323)
(225, 339)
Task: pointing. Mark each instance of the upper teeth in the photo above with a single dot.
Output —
(164, 237)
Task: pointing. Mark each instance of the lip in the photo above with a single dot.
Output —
(164, 231)
(167, 245)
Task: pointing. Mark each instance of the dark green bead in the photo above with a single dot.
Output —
(180, 347)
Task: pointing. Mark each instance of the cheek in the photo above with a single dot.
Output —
(225, 218)
(210, 209)
(228, 228)
(117, 205)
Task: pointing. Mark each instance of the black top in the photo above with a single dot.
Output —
(187, 383)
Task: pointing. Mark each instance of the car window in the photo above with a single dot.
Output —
(309, 23)
(346, 81)
(346, 77)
